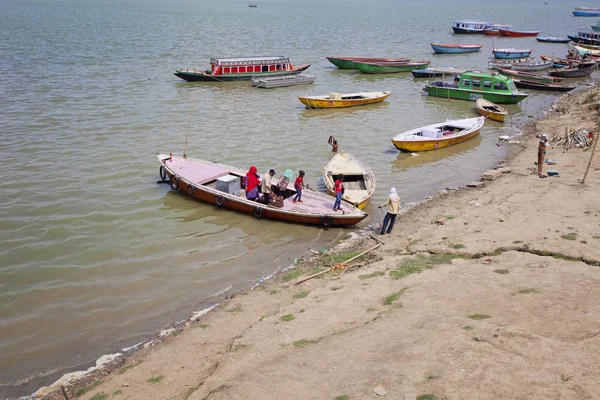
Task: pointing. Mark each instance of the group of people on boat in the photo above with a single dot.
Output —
(267, 191)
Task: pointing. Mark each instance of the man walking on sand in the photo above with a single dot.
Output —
(393, 203)
(542, 153)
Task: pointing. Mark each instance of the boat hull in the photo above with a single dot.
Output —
(354, 171)
(473, 95)
(509, 55)
(316, 103)
(441, 49)
(433, 144)
(586, 13)
(596, 27)
(552, 87)
(200, 76)
(579, 39)
(235, 203)
(381, 68)
(552, 40)
(485, 108)
(527, 76)
(466, 31)
(573, 72)
(518, 33)
(350, 62)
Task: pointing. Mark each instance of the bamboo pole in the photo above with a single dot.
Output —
(328, 270)
(591, 157)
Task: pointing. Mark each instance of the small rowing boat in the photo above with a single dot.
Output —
(582, 70)
(511, 53)
(513, 33)
(337, 100)
(491, 110)
(359, 180)
(220, 185)
(532, 66)
(523, 84)
(528, 76)
(390, 67)
(270, 82)
(350, 62)
(550, 39)
(455, 48)
(436, 136)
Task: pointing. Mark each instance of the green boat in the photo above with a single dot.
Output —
(390, 67)
(350, 62)
(475, 85)
(596, 27)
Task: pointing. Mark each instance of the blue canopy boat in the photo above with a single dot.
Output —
(465, 26)
(586, 37)
(511, 53)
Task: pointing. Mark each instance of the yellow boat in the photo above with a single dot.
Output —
(337, 100)
(490, 110)
(436, 136)
(359, 180)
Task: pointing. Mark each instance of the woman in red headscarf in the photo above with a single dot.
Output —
(251, 182)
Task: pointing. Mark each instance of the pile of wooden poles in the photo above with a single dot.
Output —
(576, 138)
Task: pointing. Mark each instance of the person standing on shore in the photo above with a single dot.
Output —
(339, 191)
(393, 203)
(542, 153)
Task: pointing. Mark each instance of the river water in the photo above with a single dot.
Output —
(96, 256)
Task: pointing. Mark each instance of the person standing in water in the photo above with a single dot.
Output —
(333, 143)
(393, 203)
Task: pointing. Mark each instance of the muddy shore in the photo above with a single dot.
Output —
(484, 292)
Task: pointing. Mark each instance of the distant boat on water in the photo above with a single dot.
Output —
(586, 12)
(550, 39)
(511, 53)
(454, 48)
(494, 29)
(253, 5)
(513, 33)
(466, 26)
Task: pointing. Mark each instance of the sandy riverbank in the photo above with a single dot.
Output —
(488, 293)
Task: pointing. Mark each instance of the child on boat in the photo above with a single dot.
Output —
(339, 191)
(299, 186)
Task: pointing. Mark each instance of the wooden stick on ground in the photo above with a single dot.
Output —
(328, 270)
(375, 238)
(591, 157)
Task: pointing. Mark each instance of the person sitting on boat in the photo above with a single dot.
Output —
(251, 182)
(333, 143)
(339, 192)
(283, 182)
(265, 186)
(299, 186)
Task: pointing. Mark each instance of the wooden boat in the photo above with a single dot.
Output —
(359, 180)
(560, 62)
(337, 100)
(431, 72)
(437, 136)
(491, 110)
(476, 85)
(513, 33)
(252, 5)
(465, 26)
(550, 39)
(586, 37)
(203, 180)
(454, 48)
(528, 76)
(508, 63)
(586, 12)
(239, 69)
(349, 62)
(511, 53)
(493, 29)
(587, 49)
(533, 66)
(270, 82)
(597, 26)
(582, 70)
(390, 67)
(523, 84)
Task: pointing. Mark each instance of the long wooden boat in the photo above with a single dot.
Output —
(437, 136)
(582, 70)
(337, 100)
(493, 29)
(586, 12)
(586, 37)
(390, 67)
(533, 66)
(475, 85)
(509, 62)
(431, 72)
(513, 33)
(455, 48)
(511, 53)
(550, 39)
(240, 69)
(467, 26)
(200, 180)
(270, 82)
(529, 76)
(491, 110)
(350, 62)
(587, 49)
(359, 180)
(523, 84)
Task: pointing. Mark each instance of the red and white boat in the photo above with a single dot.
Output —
(210, 182)
(241, 69)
